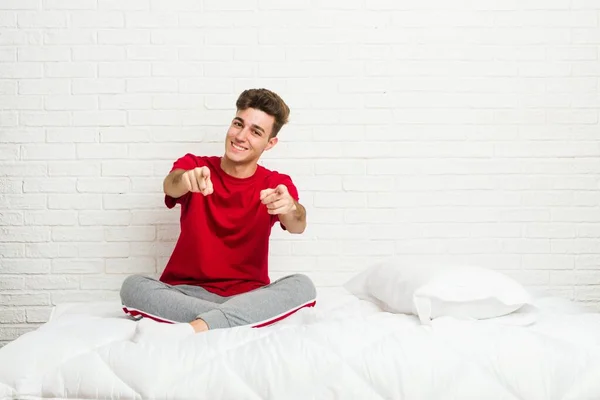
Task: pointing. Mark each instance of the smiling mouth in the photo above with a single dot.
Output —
(238, 147)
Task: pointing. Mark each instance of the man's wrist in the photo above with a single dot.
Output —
(295, 210)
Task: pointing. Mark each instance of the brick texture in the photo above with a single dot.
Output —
(453, 132)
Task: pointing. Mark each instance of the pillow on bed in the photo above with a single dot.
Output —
(437, 291)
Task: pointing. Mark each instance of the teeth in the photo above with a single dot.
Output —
(238, 147)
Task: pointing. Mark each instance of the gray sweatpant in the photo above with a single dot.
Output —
(145, 296)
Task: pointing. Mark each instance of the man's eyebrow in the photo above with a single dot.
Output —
(258, 128)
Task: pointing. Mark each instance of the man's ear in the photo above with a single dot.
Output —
(272, 142)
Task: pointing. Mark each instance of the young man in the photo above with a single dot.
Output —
(217, 276)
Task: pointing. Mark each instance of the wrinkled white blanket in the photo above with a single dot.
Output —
(344, 348)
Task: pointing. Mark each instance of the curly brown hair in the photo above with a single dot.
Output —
(268, 102)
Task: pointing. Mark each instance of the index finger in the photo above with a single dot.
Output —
(265, 193)
(205, 172)
(281, 189)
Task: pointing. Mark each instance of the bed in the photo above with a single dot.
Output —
(343, 348)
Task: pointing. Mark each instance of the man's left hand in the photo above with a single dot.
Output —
(278, 200)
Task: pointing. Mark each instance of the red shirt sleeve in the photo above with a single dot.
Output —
(282, 179)
(187, 162)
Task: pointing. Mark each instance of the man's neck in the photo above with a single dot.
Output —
(239, 171)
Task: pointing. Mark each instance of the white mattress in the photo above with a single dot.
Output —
(344, 348)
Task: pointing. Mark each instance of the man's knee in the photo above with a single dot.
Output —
(304, 285)
(130, 289)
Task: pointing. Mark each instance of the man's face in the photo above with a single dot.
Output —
(248, 136)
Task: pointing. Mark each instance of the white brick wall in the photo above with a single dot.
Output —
(431, 130)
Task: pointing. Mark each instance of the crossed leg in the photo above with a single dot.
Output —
(148, 297)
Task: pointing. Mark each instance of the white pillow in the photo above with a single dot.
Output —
(432, 291)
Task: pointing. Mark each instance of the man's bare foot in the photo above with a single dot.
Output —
(199, 325)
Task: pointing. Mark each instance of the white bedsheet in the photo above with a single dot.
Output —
(344, 348)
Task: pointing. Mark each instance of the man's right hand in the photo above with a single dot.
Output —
(197, 180)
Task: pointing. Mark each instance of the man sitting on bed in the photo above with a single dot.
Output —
(217, 276)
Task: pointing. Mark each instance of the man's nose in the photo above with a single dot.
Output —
(241, 134)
